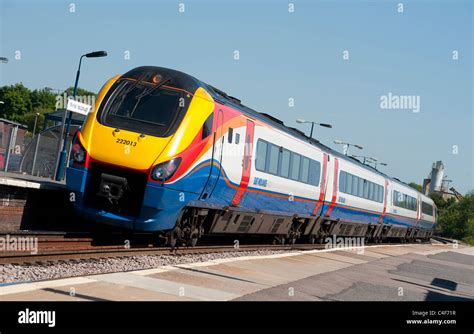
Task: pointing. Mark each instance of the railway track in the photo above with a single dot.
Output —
(66, 247)
(59, 247)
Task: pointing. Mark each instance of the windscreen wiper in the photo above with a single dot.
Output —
(119, 101)
(147, 92)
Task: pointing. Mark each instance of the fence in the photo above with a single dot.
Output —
(36, 156)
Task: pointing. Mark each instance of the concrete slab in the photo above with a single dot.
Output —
(165, 286)
(388, 272)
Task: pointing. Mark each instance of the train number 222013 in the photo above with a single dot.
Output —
(126, 142)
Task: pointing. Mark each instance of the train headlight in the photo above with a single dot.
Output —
(78, 154)
(165, 170)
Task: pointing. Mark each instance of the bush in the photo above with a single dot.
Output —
(456, 219)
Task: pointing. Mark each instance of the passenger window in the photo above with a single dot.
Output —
(273, 159)
(295, 166)
(261, 155)
(207, 127)
(349, 183)
(230, 135)
(355, 185)
(305, 170)
(360, 188)
(314, 172)
(342, 182)
(285, 163)
(366, 189)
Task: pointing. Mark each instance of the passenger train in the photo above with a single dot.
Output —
(165, 152)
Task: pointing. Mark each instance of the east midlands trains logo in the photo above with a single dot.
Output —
(402, 102)
(348, 244)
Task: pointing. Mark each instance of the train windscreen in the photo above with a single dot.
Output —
(143, 107)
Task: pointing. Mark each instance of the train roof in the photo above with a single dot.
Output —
(221, 96)
(190, 84)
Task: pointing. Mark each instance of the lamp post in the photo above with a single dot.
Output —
(36, 120)
(379, 163)
(325, 125)
(366, 158)
(347, 145)
(63, 154)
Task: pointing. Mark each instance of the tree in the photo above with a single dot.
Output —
(42, 98)
(16, 101)
(456, 219)
(21, 104)
(416, 186)
(80, 92)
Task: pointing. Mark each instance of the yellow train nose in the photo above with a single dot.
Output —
(125, 148)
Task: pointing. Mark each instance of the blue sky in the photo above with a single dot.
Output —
(282, 55)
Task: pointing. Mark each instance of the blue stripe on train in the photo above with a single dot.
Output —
(270, 200)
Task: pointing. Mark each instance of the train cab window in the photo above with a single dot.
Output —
(143, 108)
(261, 155)
(230, 134)
(207, 126)
(237, 138)
(295, 166)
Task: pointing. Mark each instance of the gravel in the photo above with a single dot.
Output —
(35, 272)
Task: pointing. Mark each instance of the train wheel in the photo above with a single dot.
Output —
(282, 240)
(193, 241)
(173, 236)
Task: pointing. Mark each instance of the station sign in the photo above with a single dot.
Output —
(78, 107)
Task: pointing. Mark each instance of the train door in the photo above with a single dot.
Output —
(246, 163)
(216, 165)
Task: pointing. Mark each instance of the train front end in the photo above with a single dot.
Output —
(135, 146)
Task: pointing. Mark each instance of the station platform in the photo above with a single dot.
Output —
(30, 202)
(413, 272)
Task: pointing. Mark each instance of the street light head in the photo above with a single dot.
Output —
(3, 59)
(338, 142)
(359, 147)
(326, 125)
(96, 54)
(383, 164)
(300, 120)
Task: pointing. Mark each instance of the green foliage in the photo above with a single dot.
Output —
(416, 186)
(17, 101)
(42, 99)
(456, 219)
(80, 91)
(22, 104)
